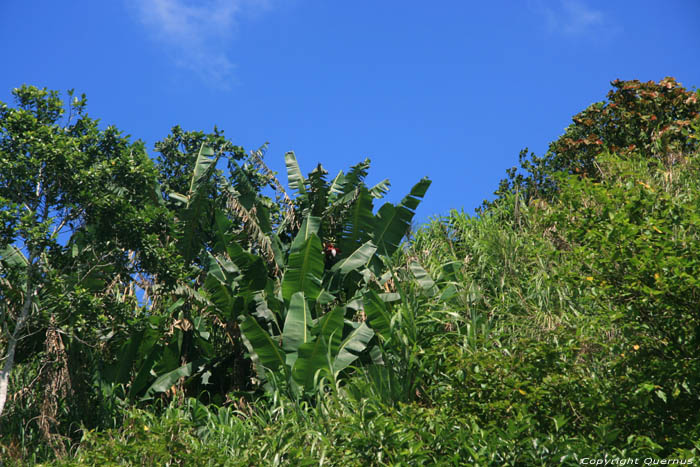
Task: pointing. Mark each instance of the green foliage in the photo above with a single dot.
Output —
(80, 216)
(558, 324)
(318, 339)
(633, 236)
(304, 269)
(651, 119)
(271, 284)
(590, 293)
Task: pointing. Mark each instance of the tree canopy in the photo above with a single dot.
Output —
(652, 119)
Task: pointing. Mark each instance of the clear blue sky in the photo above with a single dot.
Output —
(448, 89)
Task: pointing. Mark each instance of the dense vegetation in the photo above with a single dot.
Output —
(187, 309)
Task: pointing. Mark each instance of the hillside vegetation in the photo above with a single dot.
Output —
(188, 309)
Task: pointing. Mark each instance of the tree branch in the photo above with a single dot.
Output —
(14, 337)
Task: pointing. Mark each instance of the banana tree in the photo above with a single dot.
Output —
(342, 215)
(173, 343)
(314, 333)
(307, 349)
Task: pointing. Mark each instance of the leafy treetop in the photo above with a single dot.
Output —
(653, 119)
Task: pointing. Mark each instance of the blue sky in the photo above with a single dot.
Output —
(448, 89)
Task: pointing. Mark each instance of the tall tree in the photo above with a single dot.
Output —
(79, 213)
